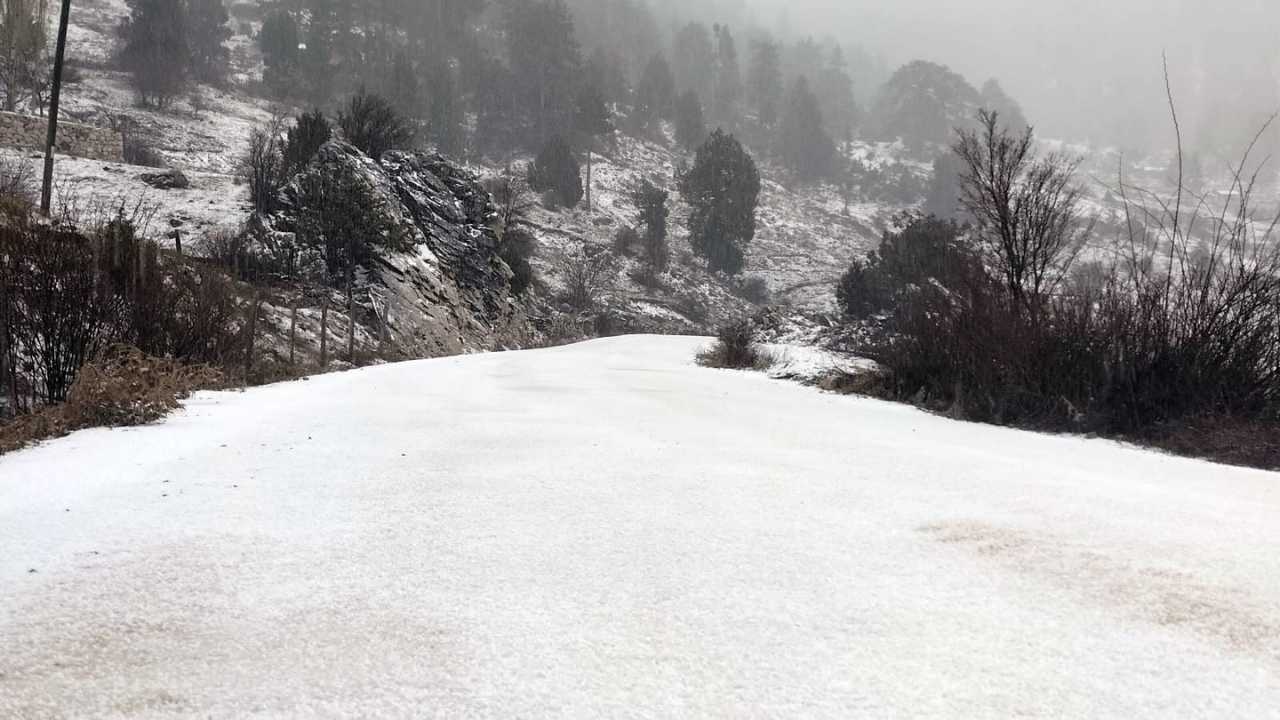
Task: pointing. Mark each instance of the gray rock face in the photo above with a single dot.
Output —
(448, 292)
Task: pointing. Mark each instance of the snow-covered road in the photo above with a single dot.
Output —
(607, 531)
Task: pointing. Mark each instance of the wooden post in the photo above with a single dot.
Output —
(253, 332)
(4, 335)
(589, 208)
(177, 240)
(324, 333)
(293, 332)
(46, 191)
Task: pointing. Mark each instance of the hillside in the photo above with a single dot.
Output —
(538, 534)
(804, 239)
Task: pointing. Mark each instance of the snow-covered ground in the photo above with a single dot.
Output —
(606, 530)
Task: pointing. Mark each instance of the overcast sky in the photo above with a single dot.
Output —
(1083, 69)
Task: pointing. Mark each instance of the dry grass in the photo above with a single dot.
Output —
(123, 387)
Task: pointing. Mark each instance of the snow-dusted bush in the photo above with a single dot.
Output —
(735, 348)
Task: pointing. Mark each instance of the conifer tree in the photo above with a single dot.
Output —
(722, 190)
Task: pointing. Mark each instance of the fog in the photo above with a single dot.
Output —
(1084, 70)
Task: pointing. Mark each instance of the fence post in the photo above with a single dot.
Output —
(4, 337)
(253, 332)
(293, 331)
(324, 333)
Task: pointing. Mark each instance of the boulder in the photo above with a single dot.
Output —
(166, 180)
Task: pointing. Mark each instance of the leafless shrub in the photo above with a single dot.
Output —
(587, 275)
(263, 165)
(17, 184)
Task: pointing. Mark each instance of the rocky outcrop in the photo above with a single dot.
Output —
(447, 291)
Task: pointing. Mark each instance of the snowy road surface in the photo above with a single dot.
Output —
(607, 531)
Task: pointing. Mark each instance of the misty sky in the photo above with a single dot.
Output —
(1083, 69)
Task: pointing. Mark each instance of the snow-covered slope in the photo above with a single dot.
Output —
(606, 530)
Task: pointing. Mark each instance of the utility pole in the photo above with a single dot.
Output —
(46, 195)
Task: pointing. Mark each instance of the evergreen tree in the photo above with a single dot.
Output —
(317, 67)
(722, 190)
(694, 60)
(604, 70)
(556, 172)
(655, 93)
(727, 97)
(310, 131)
(691, 127)
(209, 31)
(591, 120)
(278, 40)
(651, 202)
(995, 100)
(764, 81)
(445, 122)
(543, 57)
(803, 144)
(403, 89)
(155, 49)
(923, 104)
(943, 198)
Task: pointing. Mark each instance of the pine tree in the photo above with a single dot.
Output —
(278, 40)
(694, 60)
(544, 59)
(445, 122)
(803, 144)
(556, 172)
(317, 67)
(651, 202)
(722, 190)
(655, 93)
(996, 100)
(591, 120)
(764, 81)
(727, 97)
(691, 127)
(310, 131)
(155, 49)
(209, 30)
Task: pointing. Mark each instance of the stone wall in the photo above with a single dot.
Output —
(25, 131)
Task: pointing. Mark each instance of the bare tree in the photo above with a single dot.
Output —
(1027, 209)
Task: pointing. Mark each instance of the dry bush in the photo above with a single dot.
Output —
(736, 349)
(123, 387)
(17, 185)
(1184, 326)
(587, 274)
